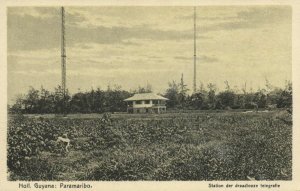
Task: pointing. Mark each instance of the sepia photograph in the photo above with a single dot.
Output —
(149, 93)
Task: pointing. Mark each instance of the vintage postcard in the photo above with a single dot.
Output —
(107, 95)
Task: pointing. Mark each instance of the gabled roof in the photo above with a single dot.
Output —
(146, 96)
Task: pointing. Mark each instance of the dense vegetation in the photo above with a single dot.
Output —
(194, 146)
(111, 99)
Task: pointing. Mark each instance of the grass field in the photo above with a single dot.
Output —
(186, 146)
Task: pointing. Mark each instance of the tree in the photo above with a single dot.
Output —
(286, 96)
(198, 101)
(45, 102)
(172, 93)
(61, 102)
(99, 101)
(227, 86)
(182, 93)
(115, 99)
(31, 101)
(146, 89)
(19, 105)
(260, 99)
(211, 95)
(202, 89)
(226, 99)
(79, 103)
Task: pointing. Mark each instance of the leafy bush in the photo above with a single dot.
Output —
(36, 169)
(193, 146)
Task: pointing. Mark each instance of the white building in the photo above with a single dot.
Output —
(146, 103)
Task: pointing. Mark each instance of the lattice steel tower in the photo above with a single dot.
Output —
(63, 52)
(195, 56)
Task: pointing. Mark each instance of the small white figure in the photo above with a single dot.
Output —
(64, 140)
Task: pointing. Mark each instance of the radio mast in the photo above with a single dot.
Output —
(63, 52)
(195, 56)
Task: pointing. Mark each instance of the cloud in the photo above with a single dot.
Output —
(32, 33)
(204, 58)
(83, 46)
(208, 59)
(228, 26)
(250, 19)
(29, 31)
(105, 35)
(20, 64)
(41, 12)
(266, 14)
(74, 19)
(224, 18)
(239, 17)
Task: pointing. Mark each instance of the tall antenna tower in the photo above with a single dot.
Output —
(195, 56)
(63, 52)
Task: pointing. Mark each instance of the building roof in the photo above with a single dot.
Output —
(146, 96)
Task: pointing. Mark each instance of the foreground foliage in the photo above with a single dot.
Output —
(194, 146)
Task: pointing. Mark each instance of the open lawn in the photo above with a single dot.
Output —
(187, 146)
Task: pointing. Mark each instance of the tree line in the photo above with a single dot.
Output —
(207, 97)
(111, 99)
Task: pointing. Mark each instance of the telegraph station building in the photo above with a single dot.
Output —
(146, 103)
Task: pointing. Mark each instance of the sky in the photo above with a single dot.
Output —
(135, 46)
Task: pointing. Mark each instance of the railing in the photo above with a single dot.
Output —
(159, 104)
(146, 105)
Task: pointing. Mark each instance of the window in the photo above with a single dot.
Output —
(155, 101)
(147, 102)
(138, 102)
